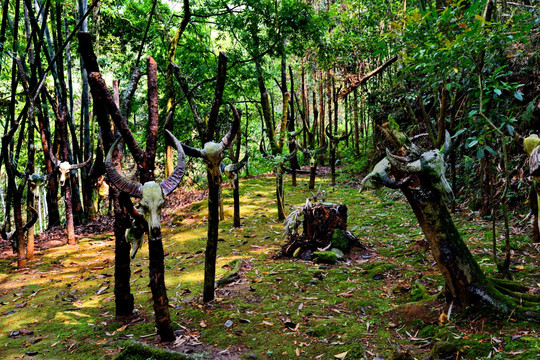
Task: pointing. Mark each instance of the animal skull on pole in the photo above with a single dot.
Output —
(152, 194)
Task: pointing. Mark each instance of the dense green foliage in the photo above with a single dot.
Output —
(357, 67)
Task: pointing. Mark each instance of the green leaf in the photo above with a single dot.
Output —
(472, 143)
(518, 95)
(497, 91)
(459, 132)
(510, 129)
(480, 153)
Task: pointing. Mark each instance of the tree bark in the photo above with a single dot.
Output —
(212, 237)
(124, 301)
(279, 193)
(465, 281)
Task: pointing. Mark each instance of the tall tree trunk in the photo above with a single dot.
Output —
(355, 119)
(169, 83)
(87, 188)
(124, 301)
(279, 193)
(70, 226)
(291, 124)
(321, 135)
(212, 238)
(486, 186)
(155, 244)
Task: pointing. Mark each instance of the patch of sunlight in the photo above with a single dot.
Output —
(222, 260)
(14, 323)
(185, 236)
(69, 317)
(192, 277)
(260, 250)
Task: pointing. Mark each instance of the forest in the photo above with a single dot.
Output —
(270, 179)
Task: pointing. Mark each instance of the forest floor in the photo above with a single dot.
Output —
(376, 302)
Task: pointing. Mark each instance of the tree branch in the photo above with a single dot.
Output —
(362, 79)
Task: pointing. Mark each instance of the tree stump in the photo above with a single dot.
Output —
(325, 235)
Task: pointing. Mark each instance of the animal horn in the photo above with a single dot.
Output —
(294, 134)
(321, 150)
(328, 132)
(261, 148)
(289, 156)
(78, 166)
(238, 165)
(403, 164)
(303, 150)
(345, 136)
(121, 183)
(32, 221)
(228, 138)
(169, 184)
(447, 143)
(54, 160)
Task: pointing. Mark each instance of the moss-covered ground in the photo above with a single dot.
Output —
(375, 303)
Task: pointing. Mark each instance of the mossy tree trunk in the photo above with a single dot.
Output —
(463, 277)
(279, 193)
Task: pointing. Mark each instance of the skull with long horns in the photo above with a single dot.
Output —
(152, 194)
(65, 167)
(429, 164)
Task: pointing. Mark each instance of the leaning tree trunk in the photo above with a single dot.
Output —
(124, 300)
(424, 184)
(464, 279)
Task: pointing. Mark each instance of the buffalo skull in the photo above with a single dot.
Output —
(65, 167)
(431, 165)
(231, 170)
(152, 194)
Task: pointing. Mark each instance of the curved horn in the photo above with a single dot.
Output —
(169, 184)
(447, 143)
(322, 150)
(328, 132)
(54, 160)
(32, 221)
(404, 164)
(343, 137)
(294, 134)
(81, 165)
(16, 171)
(303, 150)
(121, 183)
(261, 148)
(226, 140)
(239, 165)
(191, 151)
(289, 157)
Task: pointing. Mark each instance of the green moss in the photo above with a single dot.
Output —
(138, 351)
(339, 240)
(444, 349)
(325, 257)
